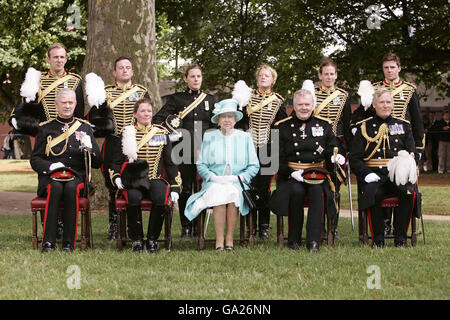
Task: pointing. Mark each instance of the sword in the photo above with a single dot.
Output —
(208, 212)
(350, 194)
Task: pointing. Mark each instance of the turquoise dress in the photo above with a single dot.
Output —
(221, 155)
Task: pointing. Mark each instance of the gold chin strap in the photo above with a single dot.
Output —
(382, 136)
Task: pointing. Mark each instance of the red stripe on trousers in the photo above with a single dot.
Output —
(46, 211)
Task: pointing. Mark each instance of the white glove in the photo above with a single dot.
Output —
(175, 136)
(56, 165)
(174, 196)
(219, 179)
(118, 182)
(231, 179)
(14, 123)
(340, 159)
(297, 175)
(86, 141)
(371, 177)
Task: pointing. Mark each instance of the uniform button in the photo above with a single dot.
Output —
(374, 125)
(315, 153)
(296, 144)
(396, 140)
(299, 162)
(379, 150)
(297, 153)
(294, 135)
(375, 132)
(379, 157)
(395, 149)
(292, 125)
(317, 142)
(381, 167)
(195, 114)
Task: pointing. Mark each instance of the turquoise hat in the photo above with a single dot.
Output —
(226, 106)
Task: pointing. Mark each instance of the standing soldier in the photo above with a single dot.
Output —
(38, 92)
(190, 110)
(406, 106)
(261, 111)
(59, 160)
(109, 116)
(333, 103)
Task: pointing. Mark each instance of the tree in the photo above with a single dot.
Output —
(126, 28)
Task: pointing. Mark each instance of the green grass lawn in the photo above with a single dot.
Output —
(264, 272)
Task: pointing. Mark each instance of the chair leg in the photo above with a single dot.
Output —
(34, 230)
(83, 230)
(251, 237)
(121, 222)
(280, 228)
(413, 232)
(330, 233)
(200, 226)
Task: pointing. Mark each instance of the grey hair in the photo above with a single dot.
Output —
(303, 93)
(378, 93)
(64, 91)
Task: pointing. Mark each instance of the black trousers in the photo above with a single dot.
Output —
(402, 214)
(297, 193)
(111, 146)
(158, 193)
(69, 193)
(188, 186)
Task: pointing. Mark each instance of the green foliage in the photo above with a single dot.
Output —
(27, 29)
(231, 38)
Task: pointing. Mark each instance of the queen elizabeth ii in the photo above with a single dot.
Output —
(226, 153)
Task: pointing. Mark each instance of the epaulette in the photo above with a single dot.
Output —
(363, 120)
(342, 90)
(400, 119)
(282, 120)
(45, 122)
(82, 120)
(161, 128)
(324, 119)
(75, 75)
(279, 96)
(410, 84)
(142, 87)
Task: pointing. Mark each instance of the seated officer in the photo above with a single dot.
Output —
(59, 159)
(383, 151)
(137, 169)
(307, 143)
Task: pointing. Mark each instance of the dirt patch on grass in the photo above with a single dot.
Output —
(15, 166)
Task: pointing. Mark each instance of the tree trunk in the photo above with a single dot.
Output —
(121, 28)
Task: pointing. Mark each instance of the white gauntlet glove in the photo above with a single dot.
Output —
(297, 175)
(86, 141)
(174, 196)
(231, 179)
(56, 165)
(339, 158)
(219, 179)
(371, 177)
(118, 182)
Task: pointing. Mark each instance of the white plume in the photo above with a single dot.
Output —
(366, 91)
(129, 144)
(309, 85)
(241, 93)
(95, 90)
(402, 168)
(30, 85)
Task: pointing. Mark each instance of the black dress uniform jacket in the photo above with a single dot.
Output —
(313, 145)
(399, 138)
(72, 157)
(202, 113)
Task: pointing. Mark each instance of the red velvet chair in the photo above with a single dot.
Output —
(391, 202)
(38, 205)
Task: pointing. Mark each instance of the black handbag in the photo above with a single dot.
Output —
(247, 196)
